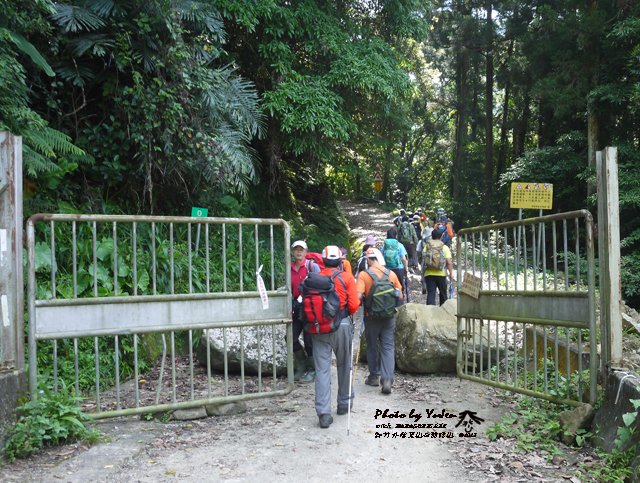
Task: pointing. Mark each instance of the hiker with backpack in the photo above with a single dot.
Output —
(381, 292)
(407, 236)
(369, 242)
(425, 236)
(329, 299)
(397, 221)
(443, 221)
(395, 257)
(437, 258)
(302, 356)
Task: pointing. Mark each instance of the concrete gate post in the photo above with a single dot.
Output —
(12, 364)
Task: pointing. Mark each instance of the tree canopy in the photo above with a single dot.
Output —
(273, 108)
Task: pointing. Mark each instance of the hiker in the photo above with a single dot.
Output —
(346, 264)
(302, 356)
(417, 226)
(369, 242)
(338, 341)
(397, 221)
(437, 257)
(381, 292)
(423, 217)
(442, 220)
(424, 237)
(406, 235)
(395, 256)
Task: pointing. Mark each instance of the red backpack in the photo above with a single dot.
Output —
(314, 257)
(321, 303)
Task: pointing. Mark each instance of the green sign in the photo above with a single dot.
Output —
(199, 212)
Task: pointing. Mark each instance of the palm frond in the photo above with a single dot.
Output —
(233, 99)
(201, 17)
(27, 48)
(98, 44)
(72, 18)
(102, 8)
(78, 75)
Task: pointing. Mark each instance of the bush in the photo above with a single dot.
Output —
(50, 420)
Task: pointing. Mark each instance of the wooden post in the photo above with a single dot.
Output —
(11, 283)
(609, 256)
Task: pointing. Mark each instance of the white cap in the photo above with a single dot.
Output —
(331, 252)
(299, 243)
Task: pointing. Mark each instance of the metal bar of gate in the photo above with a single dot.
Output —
(163, 294)
(543, 319)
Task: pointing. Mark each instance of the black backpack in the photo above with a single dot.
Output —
(381, 300)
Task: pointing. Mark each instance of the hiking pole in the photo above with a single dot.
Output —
(352, 374)
(406, 284)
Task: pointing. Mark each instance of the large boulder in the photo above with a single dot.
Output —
(426, 338)
(246, 337)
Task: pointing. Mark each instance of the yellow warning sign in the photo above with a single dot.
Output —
(538, 196)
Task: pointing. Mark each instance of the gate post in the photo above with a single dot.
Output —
(12, 367)
(609, 257)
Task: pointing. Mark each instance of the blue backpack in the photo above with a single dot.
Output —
(391, 250)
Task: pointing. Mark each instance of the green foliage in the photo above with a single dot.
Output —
(50, 420)
(44, 148)
(616, 464)
(534, 426)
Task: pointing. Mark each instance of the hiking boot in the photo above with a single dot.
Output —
(343, 409)
(310, 367)
(386, 386)
(372, 380)
(299, 365)
(308, 376)
(325, 420)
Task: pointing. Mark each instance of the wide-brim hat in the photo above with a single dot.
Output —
(375, 253)
(370, 240)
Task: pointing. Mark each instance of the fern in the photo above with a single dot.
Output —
(35, 163)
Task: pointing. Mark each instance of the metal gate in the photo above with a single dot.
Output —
(526, 306)
(101, 289)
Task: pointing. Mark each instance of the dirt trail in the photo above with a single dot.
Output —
(279, 439)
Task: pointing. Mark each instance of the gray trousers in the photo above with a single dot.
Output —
(381, 351)
(323, 344)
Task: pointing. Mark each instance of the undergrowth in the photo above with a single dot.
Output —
(534, 426)
(50, 420)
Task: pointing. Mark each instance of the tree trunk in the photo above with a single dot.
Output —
(502, 153)
(488, 111)
(384, 194)
(461, 123)
(522, 126)
(593, 142)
